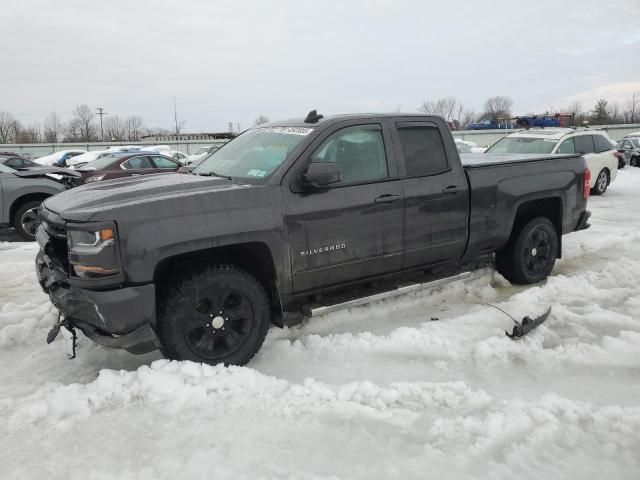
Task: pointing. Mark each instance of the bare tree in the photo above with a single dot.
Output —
(498, 107)
(260, 119)
(115, 128)
(575, 109)
(84, 116)
(134, 127)
(631, 111)
(448, 108)
(7, 127)
(468, 116)
(615, 113)
(52, 128)
(27, 134)
(72, 131)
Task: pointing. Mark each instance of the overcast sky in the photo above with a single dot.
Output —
(234, 60)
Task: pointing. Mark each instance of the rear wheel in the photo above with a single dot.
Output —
(220, 315)
(634, 162)
(602, 182)
(25, 220)
(531, 253)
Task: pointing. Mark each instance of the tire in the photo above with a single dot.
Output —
(531, 253)
(634, 162)
(602, 182)
(218, 315)
(25, 220)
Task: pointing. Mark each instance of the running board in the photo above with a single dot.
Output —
(315, 310)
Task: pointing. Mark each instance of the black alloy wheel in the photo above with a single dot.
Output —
(220, 314)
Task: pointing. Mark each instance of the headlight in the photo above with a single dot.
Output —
(93, 250)
(94, 178)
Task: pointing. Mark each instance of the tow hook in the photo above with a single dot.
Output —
(520, 329)
(65, 326)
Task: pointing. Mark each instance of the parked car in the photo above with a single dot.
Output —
(126, 164)
(466, 146)
(21, 192)
(199, 265)
(200, 154)
(17, 163)
(176, 155)
(60, 158)
(594, 145)
(87, 157)
(488, 124)
(629, 148)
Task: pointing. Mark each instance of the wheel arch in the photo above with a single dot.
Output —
(549, 207)
(254, 257)
(21, 200)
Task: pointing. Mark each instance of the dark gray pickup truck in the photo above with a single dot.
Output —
(200, 264)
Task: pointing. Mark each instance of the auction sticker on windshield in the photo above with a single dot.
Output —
(287, 130)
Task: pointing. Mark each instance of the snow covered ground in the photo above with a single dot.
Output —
(376, 392)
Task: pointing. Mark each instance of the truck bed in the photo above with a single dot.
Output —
(477, 160)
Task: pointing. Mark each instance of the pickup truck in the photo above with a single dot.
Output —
(200, 264)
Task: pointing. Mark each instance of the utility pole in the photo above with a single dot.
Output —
(101, 112)
(175, 117)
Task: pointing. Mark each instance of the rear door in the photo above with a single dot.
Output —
(352, 230)
(436, 195)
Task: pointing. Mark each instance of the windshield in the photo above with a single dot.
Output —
(523, 145)
(635, 142)
(254, 154)
(5, 169)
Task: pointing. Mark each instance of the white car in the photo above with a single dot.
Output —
(59, 158)
(465, 146)
(87, 157)
(595, 146)
(200, 154)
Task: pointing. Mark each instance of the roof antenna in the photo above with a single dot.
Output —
(313, 117)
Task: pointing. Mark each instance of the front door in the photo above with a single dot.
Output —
(353, 229)
(436, 195)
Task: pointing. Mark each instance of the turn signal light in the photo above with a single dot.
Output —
(106, 234)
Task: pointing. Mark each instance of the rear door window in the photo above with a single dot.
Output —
(137, 163)
(422, 150)
(584, 144)
(567, 146)
(602, 144)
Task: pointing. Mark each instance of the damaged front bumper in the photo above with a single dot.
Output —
(119, 318)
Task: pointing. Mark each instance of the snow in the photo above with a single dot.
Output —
(56, 156)
(379, 391)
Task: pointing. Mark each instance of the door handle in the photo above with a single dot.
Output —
(387, 198)
(451, 189)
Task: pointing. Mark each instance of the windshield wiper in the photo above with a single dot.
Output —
(213, 174)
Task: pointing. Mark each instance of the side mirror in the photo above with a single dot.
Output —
(321, 174)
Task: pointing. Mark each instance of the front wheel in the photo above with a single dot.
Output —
(220, 315)
(26, 220)
(602, 182)
(634, 162)
(531, 253)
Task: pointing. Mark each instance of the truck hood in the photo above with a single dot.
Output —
(101, 200)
